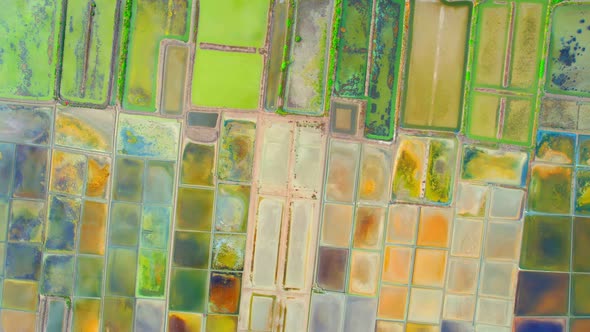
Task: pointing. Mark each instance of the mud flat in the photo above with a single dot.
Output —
(351, 64)
(436, 69)
(151, 21)
(28, 50)
(569, 53)
(174, 79)
(507, 60)
(306, 81)
(492, 32)
(278, 38)
(383, 78)
(528, 43)
(88, 51)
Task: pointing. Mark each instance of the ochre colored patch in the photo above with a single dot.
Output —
(392, 302)
(98, 177)
(429, 267)
(433, 230)
(86, 315)
(92, 232)
(396, 265)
